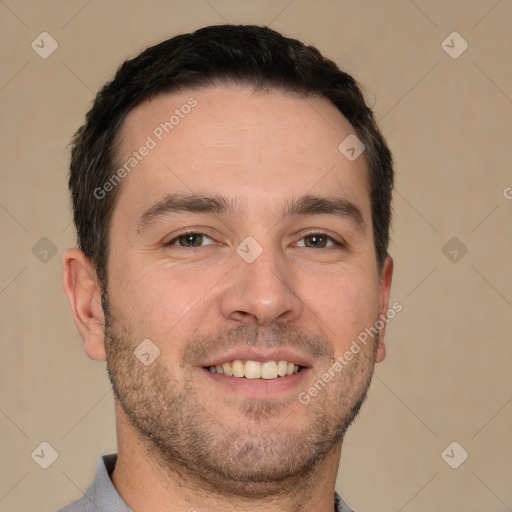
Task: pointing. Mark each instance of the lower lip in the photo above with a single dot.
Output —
(260, 388)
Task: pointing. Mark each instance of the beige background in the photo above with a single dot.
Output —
(447, 376)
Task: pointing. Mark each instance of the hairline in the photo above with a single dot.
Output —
(219, 81)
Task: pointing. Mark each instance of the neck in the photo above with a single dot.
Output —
(147, 483)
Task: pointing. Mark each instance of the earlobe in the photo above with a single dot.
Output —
(84, 296)
(386, 277)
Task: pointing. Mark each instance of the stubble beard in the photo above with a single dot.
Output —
(190, 439)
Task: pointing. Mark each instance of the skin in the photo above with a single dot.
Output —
(186, 439)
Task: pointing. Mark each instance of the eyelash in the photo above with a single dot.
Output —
(172, 242)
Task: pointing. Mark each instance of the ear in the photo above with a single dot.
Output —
(384, 290)
(84, 295)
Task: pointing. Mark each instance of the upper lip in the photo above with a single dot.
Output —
(277, 354)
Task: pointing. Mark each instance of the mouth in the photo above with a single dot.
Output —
(261, 374)
(249, 369)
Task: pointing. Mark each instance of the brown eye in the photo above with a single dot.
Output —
(191, 240)
(317, 241)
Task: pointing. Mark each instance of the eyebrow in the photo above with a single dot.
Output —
(315, 205)
(221, 205)
(192, 203)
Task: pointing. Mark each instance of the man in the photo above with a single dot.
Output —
(231, 194)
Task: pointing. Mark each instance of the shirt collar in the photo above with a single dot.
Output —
(103, 495)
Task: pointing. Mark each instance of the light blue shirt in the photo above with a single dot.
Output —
(101, 495)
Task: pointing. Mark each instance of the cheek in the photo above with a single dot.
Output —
(346, 305)
(162, 299)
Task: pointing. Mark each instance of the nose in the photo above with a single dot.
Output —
(262, 292)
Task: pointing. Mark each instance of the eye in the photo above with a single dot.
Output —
(191, 240)
(317, 241)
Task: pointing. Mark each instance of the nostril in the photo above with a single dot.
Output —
(243, 316)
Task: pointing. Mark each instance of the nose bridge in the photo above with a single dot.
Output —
(261, 289)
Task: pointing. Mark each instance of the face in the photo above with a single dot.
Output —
(241, 246)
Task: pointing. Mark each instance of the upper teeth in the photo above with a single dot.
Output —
(255, 369)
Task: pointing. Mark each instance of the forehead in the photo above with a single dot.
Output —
(234, 141)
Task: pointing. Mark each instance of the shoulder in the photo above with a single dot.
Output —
(82, 504)
(101, 495)
(340, 505)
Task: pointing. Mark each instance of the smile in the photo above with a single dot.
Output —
(255, 369)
